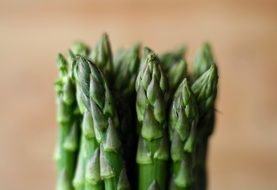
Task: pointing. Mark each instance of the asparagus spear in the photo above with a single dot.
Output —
(80, 48)
(73, 139)
(175, 67)
(126, 65)
(205, 89)
(182, 127)
(152, 153)
(101, 55)
(67, 146)
(172, 57)
(203, 60)
(103, 156)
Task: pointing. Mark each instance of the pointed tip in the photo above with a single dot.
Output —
(77, 57)
(123, 182)
(154, 186)
(135, 48)
(93, 168)
(184, 177)
(106, 169)
(185, 82)
(143, 155)
(147, 50)
(163, 151)
(104, 35)
(61, 58)
(212, 73)
(137, 45)
(64, 182)
(206, 45)
(205, 50)
(104, 38)
(151, 61)
(203, 60)
(112, 142)
(205, 89)
(79, 48)
(102, 55)
(62, 64)
(71, 141)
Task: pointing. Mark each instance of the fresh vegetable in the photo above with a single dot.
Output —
(182, 130)
(152, 153)
(133, 121)
(205, 89)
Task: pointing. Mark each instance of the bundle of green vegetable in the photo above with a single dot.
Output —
(133, 121)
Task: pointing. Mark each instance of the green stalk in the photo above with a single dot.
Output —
(102, 128)
(68, 120)
(101, 56)
(152, 153)
(182, 128)
(205, 90)
(175, 67)
(203, 60)
(79, 177)
(126, 64)
(70, 133)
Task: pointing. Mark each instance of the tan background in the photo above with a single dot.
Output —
(244, 36)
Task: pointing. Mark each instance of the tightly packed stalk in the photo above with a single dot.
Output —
(69, 123)
(126, 66)
(133, 121)
(175, 67)
(182, 128)
(205, 89)
(152, 153)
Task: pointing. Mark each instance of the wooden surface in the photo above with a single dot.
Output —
(243, 152)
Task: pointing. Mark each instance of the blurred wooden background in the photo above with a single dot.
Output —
(243, 152)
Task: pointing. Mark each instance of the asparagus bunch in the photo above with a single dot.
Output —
(133, 122)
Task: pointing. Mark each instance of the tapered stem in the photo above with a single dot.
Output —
(152, 153)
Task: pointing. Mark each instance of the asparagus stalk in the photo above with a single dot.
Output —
(182, 128)
(152, 153)
(174, 66)
(68, 135)
(203, 60)
(74, 138)
(80, 48)
(146, 52)
(205, 89)
(101, 55)
(103, 153)
(126, 65)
